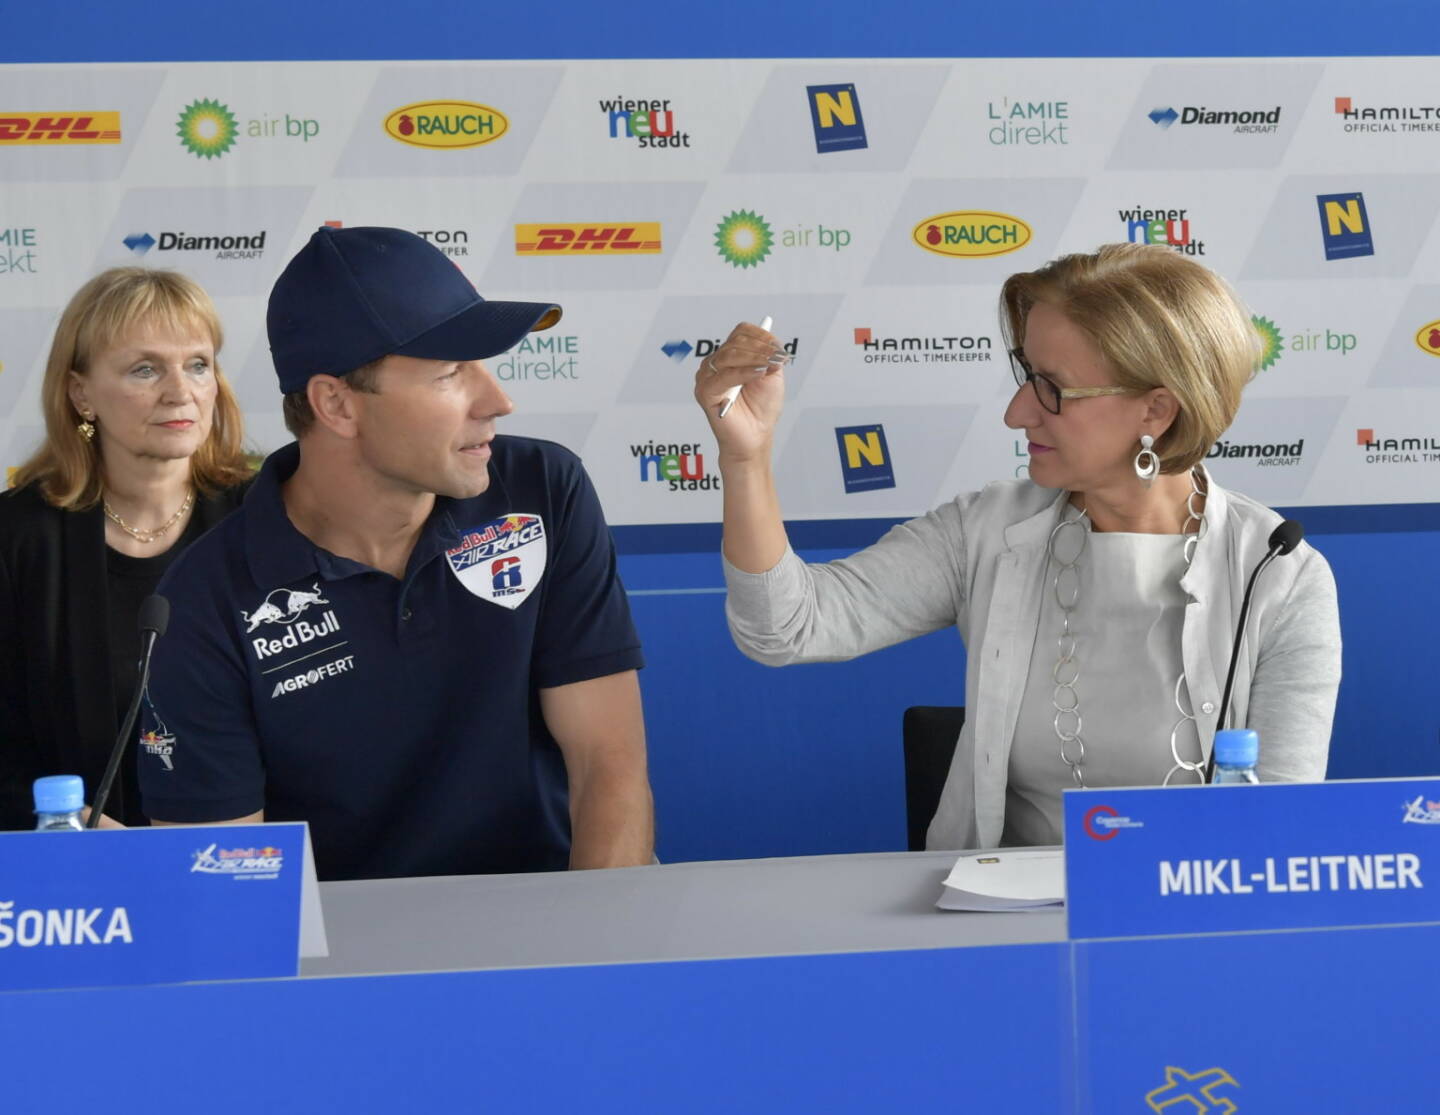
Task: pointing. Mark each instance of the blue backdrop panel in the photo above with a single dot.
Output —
(870, 1032)
(327, 29)
(1339, 1020)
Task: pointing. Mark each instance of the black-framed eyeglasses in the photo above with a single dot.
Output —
(1047, 390)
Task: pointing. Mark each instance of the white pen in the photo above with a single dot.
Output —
(730, 396)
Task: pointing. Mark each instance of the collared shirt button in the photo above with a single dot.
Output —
(405, 614)
(1208, 707)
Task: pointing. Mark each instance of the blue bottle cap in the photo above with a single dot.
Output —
(59, 793)
(1237, 747)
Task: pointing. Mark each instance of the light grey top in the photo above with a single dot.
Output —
(1127, 618)
(679, 911)
(978, 563)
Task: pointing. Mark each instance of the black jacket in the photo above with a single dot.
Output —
(57, 700)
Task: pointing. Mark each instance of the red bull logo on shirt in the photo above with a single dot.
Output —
(501, 561)
(299, 633)
(283, 605)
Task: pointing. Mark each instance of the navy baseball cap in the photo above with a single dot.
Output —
(353, 295)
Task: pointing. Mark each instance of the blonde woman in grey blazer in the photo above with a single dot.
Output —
(1098, 599)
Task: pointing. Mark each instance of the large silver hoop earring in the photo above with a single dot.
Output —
(1147, 464)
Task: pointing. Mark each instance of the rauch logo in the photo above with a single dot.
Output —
(1427, 337)
(682, 467)
(446, 124)
(972, 234)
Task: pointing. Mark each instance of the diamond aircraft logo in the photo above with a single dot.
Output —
(1164, 116)
(140, 244)
(677, 350)
(744, 239)
(207, 129)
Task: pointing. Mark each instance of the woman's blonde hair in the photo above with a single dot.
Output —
(1160, 320)
(67, 467)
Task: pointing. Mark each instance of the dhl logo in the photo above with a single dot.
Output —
(48, 129)
(635, 238)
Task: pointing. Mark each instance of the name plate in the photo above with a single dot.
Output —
(1225, 859)
(150, 905)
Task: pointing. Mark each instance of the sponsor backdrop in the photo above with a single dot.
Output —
(870, 207)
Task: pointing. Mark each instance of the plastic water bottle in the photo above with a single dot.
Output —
(1236, 753)
(58, 802)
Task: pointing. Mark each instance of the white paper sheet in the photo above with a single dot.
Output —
(1010, 879)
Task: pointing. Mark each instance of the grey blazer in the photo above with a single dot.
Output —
(979, 563)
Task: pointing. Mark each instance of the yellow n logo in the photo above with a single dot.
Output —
(833, 107)
(867, 447)
(1347, 214)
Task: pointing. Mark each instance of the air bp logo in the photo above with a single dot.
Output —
(501, 561)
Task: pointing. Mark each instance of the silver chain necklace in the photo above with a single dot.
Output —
(1074, 533)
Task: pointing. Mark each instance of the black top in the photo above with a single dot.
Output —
(128, 581)
(57, 695)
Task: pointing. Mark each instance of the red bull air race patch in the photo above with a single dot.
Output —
(501, 561)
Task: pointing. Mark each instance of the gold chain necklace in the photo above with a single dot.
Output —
(157, 533)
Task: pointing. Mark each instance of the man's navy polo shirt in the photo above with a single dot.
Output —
(401, 719)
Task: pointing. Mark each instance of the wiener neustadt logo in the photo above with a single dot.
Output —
(207, 129)
(743, 238)
(613, 238)
(972, 234)
(49, 129)
(446, 124)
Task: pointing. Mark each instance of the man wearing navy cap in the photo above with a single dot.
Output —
(412, 634)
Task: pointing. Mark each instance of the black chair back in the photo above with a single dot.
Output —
(930, 735)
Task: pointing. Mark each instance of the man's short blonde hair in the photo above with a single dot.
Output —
(1160, 320)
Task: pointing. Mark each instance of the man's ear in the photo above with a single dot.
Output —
(334, 404)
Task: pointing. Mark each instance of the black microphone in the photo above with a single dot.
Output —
(1283, 539)
(154, 618)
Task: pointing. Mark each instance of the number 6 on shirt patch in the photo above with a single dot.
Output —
(501, 560)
